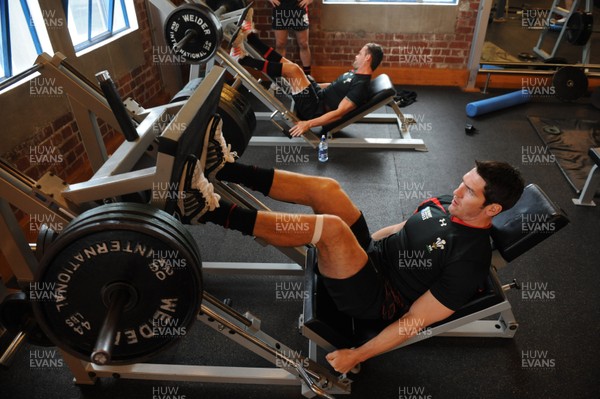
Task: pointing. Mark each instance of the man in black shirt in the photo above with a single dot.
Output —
(412, 274)
(316, 105)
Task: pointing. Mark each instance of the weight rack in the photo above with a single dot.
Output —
(116, 176)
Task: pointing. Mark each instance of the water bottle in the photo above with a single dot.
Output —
(323, 154)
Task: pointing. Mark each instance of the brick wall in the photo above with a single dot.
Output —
(329, 49)
(57, 147)
(443, 51)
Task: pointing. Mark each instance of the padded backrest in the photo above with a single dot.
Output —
(533, 219)
(381, 88)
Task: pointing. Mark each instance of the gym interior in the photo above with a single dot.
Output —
(102, 101)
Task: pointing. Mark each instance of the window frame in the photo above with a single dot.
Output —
(109, 32)
(35, 24)
(7, 59)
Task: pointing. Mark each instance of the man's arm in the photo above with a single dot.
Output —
(388, 231)
(424, 311)
(303, 126)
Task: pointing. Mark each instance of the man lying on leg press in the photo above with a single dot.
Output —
(364, 273)
(316, 105)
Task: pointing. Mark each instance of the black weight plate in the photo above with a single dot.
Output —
(87, 259)
(205, 26)
(45, 237)
(579, 28)
(144, 213)
(16, 315)
(239, 119)
(570, 83)
(176, 231)
(147, 213)
(12, 310)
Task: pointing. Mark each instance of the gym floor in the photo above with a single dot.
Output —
(561, 331)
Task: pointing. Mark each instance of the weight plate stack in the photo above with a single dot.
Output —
(570, 83)
(132, 248)
(579, 28)
(194, 32)
(239, 119)
(16, 315)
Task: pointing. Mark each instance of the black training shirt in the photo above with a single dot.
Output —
(352, 85)
(438, 252)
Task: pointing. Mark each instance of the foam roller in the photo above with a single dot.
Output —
(495, 103)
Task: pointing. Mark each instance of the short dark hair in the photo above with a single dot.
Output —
(376, 52)
(503, 183)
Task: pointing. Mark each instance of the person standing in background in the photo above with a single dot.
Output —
(292, 15)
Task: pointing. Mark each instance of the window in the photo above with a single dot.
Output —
(428, 2)
(24, 36)
(91, 21)
(24, 27)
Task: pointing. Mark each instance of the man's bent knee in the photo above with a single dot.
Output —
(322, 189)
(340, 255)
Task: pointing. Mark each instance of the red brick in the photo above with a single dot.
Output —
(460, 45)
(60, 122)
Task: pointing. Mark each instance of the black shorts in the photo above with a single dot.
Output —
(308, 102)
(368, 294)
(289, 16)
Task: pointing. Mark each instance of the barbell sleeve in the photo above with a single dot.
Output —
(116, 105)
(102, 352)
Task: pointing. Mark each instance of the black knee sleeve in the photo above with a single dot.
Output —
(361, 232)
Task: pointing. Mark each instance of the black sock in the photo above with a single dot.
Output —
(306, 69)
(267, 52)
(232, 217)
(361, 232)
(253, 177)
(273, 69)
